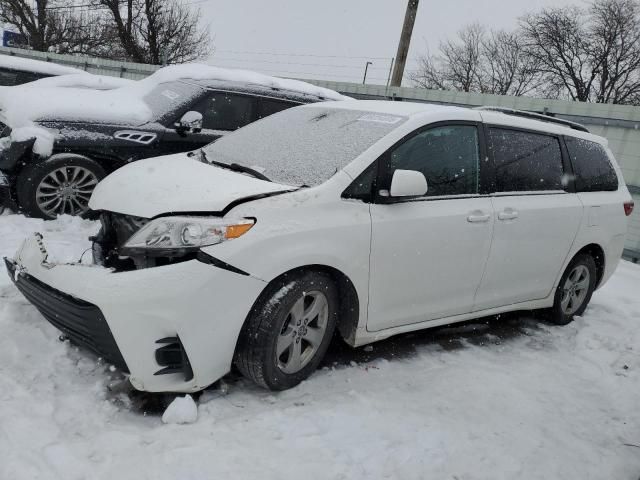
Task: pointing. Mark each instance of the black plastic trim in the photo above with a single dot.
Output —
(173, 357)
(209, 260)
(82, 322)
(227, 209)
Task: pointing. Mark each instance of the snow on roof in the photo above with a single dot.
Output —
(197, 71)
(81, 80)
(21, 105)
(29, 65)
(405, 109)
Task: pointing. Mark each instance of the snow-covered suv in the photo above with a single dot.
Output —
(59, 142)
(370, 218)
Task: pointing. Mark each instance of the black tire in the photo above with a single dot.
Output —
(270, 317)
(32, 175)
(557, 314)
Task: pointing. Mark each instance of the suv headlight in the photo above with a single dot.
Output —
(186, 233)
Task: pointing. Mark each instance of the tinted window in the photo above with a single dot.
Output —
(526, 162)
(447, 156)
(26, 77)
(591, 166)
(8, 77)
(267, 106)
(227, 111)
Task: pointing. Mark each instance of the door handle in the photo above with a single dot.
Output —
(478, 217)
(508, 214)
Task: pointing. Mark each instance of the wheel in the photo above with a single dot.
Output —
(574, 290)
(288, 331)
(59, 185)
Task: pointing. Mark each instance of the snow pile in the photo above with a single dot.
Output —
(515, 399)
(37, 66)
(44, 138)
(181, 410)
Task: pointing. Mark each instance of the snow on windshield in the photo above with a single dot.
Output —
(304, 145)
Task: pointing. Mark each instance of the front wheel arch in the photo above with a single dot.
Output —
(349, 312)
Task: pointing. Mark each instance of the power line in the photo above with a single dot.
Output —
(276, 71)
(302, 55)
(297, 63)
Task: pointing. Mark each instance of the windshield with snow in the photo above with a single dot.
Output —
(166, 97)
(304, 145)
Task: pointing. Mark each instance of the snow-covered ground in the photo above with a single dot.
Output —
(494, 399)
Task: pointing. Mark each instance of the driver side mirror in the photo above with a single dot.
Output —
(408, 183)
(190, 122)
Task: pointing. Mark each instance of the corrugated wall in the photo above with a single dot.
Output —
(620, 124)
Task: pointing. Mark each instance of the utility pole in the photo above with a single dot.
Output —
(366, 67)
(405, 40)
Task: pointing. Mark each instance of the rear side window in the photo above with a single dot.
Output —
(525, 162)
(591, 165)
(448, 157)
(228, 111)
(267, 106)
(8, 77)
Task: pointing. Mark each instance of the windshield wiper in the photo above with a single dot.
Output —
(235, 167)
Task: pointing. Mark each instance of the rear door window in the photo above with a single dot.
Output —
(591, 166)
(448, 156)
(228, 111)
(269, 106)
(525, 162)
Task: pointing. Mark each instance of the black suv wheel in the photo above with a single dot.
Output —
(61, 184)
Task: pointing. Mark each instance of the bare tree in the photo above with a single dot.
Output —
(479, 61)
(158, 31)
(458, 65)
(590, 54)
(615, 36)
(506, 68)
(54, 25)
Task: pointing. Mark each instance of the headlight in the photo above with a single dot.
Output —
(189, 233)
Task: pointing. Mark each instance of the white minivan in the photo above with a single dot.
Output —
(366, 218)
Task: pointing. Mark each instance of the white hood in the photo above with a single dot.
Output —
(175, 183)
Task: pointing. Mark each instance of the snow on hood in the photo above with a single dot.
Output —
(175, 183)
(29, 65)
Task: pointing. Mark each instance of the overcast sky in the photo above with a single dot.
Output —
(332, 39)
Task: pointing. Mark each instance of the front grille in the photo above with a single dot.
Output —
(82, 322)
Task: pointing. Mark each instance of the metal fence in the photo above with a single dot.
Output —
(620, 124)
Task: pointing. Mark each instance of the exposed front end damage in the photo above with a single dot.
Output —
(173, 327)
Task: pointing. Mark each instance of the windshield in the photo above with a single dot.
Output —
(303, 145)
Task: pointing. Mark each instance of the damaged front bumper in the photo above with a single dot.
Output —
(174, 327)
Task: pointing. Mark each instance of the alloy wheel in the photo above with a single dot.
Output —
(575, 289)
(302, 332)
(66, 190)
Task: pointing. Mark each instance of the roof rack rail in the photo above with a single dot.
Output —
(535, 116)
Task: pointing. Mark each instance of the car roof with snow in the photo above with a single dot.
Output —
(130, 104)
(417, 109)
